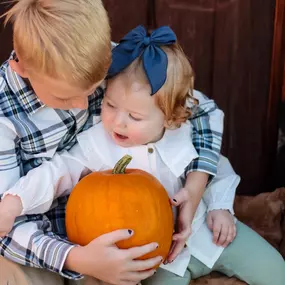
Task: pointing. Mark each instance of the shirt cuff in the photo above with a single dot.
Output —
(54, 253)
(31, 205)
(221, 206)
(206, 162)
(63, 251)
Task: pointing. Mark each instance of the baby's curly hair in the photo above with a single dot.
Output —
(177, 90)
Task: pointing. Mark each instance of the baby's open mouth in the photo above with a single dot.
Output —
(121, 137)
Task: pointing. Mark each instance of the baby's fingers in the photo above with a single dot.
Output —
(231, 236)
(184, 235)
(234, 230)
(177, 248)
(217, 227)
(180, 197)
(223, 235)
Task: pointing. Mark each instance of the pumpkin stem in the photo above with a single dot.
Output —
(121, 165)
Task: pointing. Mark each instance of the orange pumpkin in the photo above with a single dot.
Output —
(121, 199)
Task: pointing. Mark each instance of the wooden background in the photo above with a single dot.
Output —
(229, 43)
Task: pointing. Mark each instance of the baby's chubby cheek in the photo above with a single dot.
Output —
(140, 138)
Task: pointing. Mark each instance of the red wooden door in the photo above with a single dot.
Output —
(5, 37)
(125, 15)
(229, 43)
(276, 93)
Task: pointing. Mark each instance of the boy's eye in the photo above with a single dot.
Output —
(110, 105)
(63, 100)
(134, 118)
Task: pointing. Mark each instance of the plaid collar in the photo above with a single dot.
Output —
(25, 94)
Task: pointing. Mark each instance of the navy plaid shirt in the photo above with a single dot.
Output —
(32, 132)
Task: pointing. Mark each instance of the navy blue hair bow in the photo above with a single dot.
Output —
(137, 43)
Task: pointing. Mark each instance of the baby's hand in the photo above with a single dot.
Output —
(221, 223)
(183, 223)
(10, 208)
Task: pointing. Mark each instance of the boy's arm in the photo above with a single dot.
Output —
(15, 246)
(30, 244)
(33, 247)
(207, 121)
(10, 160)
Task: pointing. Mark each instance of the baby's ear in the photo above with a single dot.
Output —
(17, 66)
(170, 125)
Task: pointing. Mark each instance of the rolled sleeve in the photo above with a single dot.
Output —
(207, 121)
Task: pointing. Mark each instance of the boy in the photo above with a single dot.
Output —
(62, 53)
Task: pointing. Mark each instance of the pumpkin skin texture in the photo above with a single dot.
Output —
(103, 202)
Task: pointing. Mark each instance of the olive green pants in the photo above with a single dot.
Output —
(249, 258)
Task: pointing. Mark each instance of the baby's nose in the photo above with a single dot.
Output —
(120, 121)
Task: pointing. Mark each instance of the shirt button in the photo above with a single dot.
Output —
(150, 150)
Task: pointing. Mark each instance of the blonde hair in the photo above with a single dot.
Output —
(64, 39)
(177, 91)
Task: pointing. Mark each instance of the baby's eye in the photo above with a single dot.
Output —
(134, 118)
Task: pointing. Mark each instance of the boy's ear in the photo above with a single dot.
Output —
(18, 68)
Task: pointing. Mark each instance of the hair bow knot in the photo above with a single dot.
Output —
(137, 43)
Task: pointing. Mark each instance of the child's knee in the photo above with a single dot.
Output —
(271, 270)
(165, 277)
(14, 274)
(11, 273)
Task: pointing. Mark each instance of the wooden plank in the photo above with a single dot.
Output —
(126, 15)
(277, 88)
(5, 37)
(283, 89)
(278, 58)
(193, 22)
(241, 78)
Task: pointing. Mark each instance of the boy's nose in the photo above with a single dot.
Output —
(80, 103)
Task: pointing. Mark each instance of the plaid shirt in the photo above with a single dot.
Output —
(32, 132)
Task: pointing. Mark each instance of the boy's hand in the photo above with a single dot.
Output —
(183, 223)
(103, 260)
(221, 223)
(10, 208)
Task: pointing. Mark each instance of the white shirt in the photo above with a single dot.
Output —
(96, 151)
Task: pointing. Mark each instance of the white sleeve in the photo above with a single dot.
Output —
(220, 193)
(52, 179)
(10, 158)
